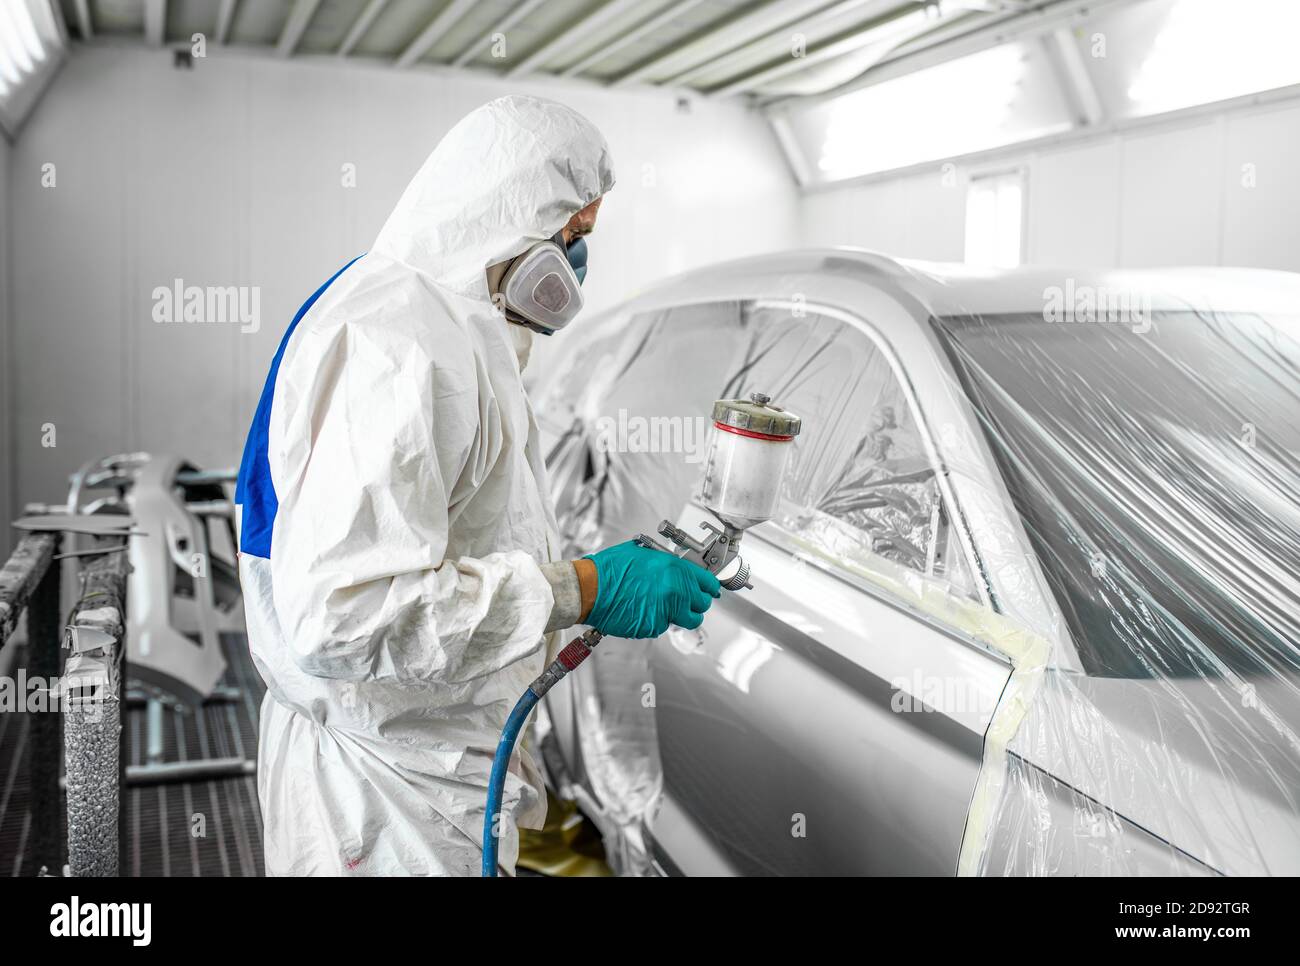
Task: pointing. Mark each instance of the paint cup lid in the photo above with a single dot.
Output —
(757, 415)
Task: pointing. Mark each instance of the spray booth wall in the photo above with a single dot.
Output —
(231, 174)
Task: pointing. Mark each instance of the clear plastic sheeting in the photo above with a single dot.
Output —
(633, 449)
(631, 412)
(630, 450)
(1133, 487)
(1156, 470)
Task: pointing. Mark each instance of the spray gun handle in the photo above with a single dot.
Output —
(715, 555)
(580, 648)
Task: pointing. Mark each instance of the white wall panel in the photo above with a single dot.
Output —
(915, 217)
(1167, 194)
(72, 284)
(1171, 197)
(1073, 198)
(1261, 224)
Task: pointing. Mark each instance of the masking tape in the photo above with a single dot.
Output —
(1027, 651)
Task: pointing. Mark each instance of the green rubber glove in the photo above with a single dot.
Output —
(640, 591)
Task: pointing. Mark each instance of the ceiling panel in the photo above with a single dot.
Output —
(541, 27)
(185, 18)
(330, 25)
(259, 22)
(118, 17)
(397, 25)
(69, 10)
(470, 30)
(718, 47)
(691, 25)
(600, 34)
(857, 17)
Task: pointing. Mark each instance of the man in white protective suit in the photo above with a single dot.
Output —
(397, 540)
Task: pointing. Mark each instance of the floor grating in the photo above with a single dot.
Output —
(203, 828)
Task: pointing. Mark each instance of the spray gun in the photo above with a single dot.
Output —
(748, 451)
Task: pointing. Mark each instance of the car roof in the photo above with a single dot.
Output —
(946, 289)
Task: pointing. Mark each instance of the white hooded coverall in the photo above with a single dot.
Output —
(394, 511)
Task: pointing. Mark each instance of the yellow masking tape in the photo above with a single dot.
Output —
(1027, 651)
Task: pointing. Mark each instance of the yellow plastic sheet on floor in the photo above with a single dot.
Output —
(567, 845)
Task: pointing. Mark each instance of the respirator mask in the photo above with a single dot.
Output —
(542, 288)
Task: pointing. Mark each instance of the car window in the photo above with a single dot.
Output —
(860, 492)
(861, 488)
(631, 410)
(1156, 470)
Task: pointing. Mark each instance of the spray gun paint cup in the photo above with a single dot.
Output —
(746, 460)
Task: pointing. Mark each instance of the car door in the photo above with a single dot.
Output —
(831, 719)
(630, 417)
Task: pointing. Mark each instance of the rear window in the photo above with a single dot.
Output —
(1157, 473)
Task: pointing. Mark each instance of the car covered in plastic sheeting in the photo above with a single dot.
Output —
(1031, 601)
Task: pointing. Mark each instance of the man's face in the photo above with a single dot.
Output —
(583, 223)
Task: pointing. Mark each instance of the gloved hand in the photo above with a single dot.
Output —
(640, 591)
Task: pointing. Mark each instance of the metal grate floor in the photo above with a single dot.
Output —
(15, 794)
(203, 828)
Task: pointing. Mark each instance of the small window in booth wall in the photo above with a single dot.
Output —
(994, 219)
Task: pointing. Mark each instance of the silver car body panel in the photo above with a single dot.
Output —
(774, 719)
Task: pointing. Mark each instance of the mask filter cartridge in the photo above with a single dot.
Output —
(541, 288)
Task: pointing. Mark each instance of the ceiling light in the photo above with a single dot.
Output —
(1210, 51)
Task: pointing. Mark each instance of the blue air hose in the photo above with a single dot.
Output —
(578, 650)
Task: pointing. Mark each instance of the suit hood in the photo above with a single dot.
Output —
(509, 174)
